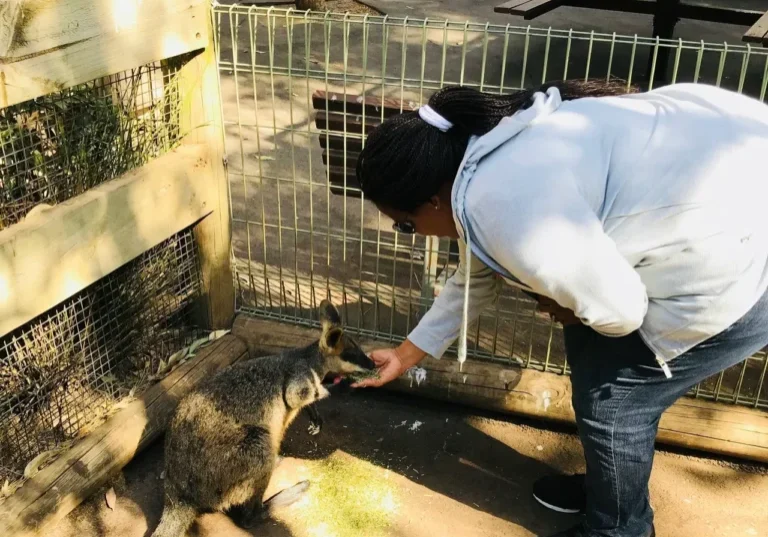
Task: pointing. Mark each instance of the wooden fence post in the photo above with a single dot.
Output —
(201, 122)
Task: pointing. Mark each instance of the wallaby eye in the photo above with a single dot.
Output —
(304, 394)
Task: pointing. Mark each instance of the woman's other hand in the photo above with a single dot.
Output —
(391, 363)
(562, 315)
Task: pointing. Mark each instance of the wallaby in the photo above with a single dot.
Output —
(224, 438)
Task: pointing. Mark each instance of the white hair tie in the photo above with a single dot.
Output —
(432, 117)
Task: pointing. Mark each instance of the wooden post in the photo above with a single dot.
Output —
(201, 122)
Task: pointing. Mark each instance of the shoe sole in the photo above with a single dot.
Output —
(555, 508)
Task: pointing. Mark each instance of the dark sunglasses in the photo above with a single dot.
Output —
(406, 226)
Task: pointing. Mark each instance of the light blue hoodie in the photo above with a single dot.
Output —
(644, 211)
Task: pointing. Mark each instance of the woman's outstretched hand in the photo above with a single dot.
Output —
(391, 363)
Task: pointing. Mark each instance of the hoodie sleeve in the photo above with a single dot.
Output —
(441, 325)
(543, 231)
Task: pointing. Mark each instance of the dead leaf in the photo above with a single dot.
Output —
(213, 336)
(111, 498)
(9, 488)
(196, 345)
(33, 467)
(162, 474)
(175, 357)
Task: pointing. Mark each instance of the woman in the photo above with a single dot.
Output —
(637, 218)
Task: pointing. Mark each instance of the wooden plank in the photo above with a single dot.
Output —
(336, 122)
(31, 27)
(692, 423)
(507, 6)
(331, 118)
(201, 117)
(56, 490)
(690, 9)
(56, 253)
(529, 9)
(336, 141)
(355, 104)
(336, 178)
(10, 16)
(336, 157)
(757, 33)
(50, 46)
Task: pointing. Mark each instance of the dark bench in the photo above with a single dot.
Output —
(758, 33)
(341, 119)
(336, 117)
(666, 14)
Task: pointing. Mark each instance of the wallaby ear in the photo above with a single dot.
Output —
(328, 314)
(332, 342)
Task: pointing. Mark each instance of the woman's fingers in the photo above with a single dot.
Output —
(369, 383)
(388, 363)
(387, 373)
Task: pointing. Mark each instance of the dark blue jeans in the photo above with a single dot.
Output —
(619, 394)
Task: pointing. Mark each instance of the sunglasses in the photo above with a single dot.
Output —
(406, 227)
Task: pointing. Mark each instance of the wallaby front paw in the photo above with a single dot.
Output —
(314, 429)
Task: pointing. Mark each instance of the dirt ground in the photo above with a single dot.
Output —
(449, 470)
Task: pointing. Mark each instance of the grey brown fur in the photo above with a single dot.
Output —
(224, 439)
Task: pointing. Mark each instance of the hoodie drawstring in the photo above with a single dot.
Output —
(465, 309)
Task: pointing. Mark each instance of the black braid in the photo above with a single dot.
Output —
(405, 161)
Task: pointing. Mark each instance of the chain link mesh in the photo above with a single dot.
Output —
(72, 364)
(60, 145)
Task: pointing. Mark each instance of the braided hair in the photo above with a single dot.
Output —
(405, 160)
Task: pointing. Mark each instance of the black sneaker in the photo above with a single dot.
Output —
(576, 531)
(561, 493)
(581, 531)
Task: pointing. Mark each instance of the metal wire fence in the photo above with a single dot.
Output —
(69, 366)
(60, 145)
(302, 230)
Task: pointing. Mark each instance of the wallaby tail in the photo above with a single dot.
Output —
(286, 497)
(176, 520)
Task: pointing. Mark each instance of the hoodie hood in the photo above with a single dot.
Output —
(479, 146)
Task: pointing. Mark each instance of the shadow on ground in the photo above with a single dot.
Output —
(447, 473)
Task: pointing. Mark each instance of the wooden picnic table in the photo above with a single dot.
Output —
(666, 14)
(758, 33)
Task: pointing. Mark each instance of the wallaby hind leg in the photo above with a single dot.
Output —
(257, 463)
(250, 513)
(254, 511)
